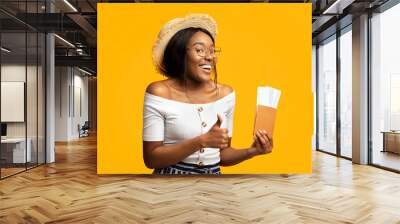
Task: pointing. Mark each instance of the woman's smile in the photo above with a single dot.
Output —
(206, 68)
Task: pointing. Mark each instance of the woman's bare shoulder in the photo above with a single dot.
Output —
(158, 88)
(224, 89)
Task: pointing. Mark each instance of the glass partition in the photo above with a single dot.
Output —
(327, 95)
(22, 88)
(346, 93)
(14, 153)
(385, 89)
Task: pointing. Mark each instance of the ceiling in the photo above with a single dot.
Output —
(73, 20)
(76, 22)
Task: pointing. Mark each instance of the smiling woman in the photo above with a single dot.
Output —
(188, 118)
(191, 45)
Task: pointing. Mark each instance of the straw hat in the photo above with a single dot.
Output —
(173, 26)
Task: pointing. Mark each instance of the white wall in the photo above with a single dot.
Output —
(80, 118)
(71, 93)
(33, 127)
(16, 73)
(62, 81)
(12, 101)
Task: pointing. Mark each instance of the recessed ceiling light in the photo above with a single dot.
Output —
(84, 71)
(5, 50)
(64, 40)
(70, 5)
(337, 7)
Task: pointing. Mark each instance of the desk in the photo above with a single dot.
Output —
(391, 141)
(15, 148)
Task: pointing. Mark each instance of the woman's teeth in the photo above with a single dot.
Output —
(207, 67)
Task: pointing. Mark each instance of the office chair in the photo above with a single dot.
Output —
(84, 130)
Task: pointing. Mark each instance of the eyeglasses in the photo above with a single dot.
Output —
(203, 51)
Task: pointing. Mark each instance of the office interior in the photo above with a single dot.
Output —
(48, 82)
(357, 85)
(48, 79)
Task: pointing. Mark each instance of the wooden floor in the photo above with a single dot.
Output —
(387, 159)
(70, 191)
(8, 171)
(5, 172)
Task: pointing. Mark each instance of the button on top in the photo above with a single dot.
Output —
(200, 164)
(200, 109)
(204, 124)
(201, 150)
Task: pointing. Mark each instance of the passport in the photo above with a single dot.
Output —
(267, 106)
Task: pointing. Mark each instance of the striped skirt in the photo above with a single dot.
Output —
(187, 168)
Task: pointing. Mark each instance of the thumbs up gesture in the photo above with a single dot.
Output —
(216, 137)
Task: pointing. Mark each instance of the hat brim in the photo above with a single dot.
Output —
(203, 21)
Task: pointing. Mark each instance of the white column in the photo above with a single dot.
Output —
(63, 101)
(50, 99)
(314, 84)
(50, 92)
(360, 90)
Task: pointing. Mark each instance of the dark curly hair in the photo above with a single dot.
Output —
(175, 55)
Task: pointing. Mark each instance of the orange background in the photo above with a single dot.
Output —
(262, 44)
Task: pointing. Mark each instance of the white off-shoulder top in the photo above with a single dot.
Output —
(172, 121)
